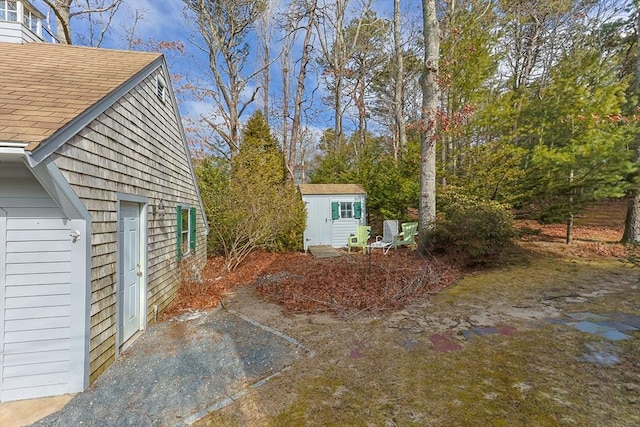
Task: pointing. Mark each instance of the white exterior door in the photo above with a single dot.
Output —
(131, 270)
(318, 231)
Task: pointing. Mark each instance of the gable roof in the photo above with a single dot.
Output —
(327, 189)
(44, 87)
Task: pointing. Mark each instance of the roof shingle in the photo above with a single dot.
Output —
(45, 86)
(327, 189)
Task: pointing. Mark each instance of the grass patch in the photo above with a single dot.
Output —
(532, 378)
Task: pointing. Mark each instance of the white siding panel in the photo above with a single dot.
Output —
(10, 32)
(38, 268)
(35, 292)
(17, 371)
(37, 278)
(39, 224)
(42, 379)
(16, 32)
(32, 212)
(42, 323)
(342, 228)
(35, 335)
(37, 357)
(37, 235)
(43, 301)
(24, 349)
(35, 313)
(27, 192)
(38, 257)
(50, 246)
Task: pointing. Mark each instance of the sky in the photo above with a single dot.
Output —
(166, 20)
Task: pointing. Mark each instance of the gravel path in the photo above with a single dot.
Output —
(179, 370)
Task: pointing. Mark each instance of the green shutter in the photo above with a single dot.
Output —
(179, 232)
(357, 210)
(192, 229)
(335, 210)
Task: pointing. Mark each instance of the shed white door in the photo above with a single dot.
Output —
(130, 313)
(318, 231)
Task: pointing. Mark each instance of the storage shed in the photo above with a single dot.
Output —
(333, 213)
(99, 207)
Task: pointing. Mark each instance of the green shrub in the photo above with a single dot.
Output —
(477, 231)
(250, 204)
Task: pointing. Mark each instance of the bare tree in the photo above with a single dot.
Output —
(336, 53)
(285, 67)
(296, 125)
(298, 19)
(265, 26)
(430, 96)
(400, 134)
(99, 13)
(225, 26)
(369, 37)
(130, 35)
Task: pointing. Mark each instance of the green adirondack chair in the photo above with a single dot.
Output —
(407, 236)
(360, 239)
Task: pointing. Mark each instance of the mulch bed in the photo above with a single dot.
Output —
(355, 283)
(343, 286)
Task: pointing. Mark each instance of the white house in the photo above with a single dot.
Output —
(98, 208)
(20, 22)
(333, 213)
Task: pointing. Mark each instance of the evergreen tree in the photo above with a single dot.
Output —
(250, 202)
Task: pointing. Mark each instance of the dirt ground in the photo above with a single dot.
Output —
(496, 346)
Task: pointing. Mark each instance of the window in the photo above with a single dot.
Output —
(346, 210)
(186, 231)
(30, 21)
(8, 10)
(161, 89)
(184, 238)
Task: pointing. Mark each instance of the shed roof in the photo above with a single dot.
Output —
(328, 189)
(44, 86)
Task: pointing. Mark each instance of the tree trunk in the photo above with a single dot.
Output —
(62, 11)
(265, 31)
(570, 219)
(362, 110)
(285, 56)
(430, 95)
(398, 111)
(339, 63)
(296, 126)
(632, 221)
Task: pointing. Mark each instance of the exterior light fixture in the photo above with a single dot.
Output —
(159, 208)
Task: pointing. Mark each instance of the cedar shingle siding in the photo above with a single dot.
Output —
(134, 147)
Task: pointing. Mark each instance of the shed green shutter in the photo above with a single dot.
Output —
(335, 210)
(357, 210)
(179, 232)
(192, 229)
